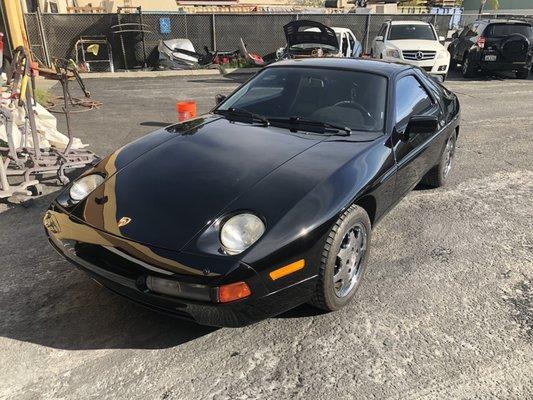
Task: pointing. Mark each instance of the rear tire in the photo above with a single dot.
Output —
(467, 70)
(439, 174)
(522, 73)
(343, 260)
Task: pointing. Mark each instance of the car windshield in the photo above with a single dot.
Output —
(419, 32)
(502, 30)
(351, 99)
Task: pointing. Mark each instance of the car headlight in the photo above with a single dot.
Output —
(393, 53)
(81, 188)
(442, 54)
(240, 232)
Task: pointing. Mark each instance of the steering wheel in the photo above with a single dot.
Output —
(369, 119)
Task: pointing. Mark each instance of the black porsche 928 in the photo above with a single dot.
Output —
(268, 201)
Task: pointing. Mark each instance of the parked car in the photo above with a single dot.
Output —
(493, 45)
(412, 42)
(311, 38)
(348, 46)
(266, 202)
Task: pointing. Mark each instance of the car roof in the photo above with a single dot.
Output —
(340, 29)
(504, 21)
(408, 22)
(363, 65)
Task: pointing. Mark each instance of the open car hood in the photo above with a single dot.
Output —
(298, 32)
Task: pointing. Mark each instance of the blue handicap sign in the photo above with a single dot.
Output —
(164, 25)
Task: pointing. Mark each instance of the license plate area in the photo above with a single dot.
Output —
(491, 57)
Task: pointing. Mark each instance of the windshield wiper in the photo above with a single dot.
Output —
(326, 126)
(242, 113)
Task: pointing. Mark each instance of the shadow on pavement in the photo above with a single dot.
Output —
(305, 310)
(47, 301)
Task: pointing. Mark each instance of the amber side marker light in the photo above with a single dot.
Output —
(287, 270)
(233, 291)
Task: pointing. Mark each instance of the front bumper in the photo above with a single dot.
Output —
(129, 282)
(436, 66)
(503, 66)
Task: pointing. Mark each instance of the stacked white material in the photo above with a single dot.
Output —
(46, 125)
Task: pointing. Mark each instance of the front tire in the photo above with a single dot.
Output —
(343, 260)
(523, 73)
(439, 174)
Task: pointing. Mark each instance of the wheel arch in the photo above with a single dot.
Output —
(368, 203)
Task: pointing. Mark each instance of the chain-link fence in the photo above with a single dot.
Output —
(55, 35)
(467, 19)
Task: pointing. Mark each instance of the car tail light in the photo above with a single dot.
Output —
(481, 42)
(233, 291)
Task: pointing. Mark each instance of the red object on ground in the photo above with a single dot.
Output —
(186, 110)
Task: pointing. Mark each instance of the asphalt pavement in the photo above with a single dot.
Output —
(445, 311)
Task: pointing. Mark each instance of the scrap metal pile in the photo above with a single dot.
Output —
(31, 147)
(304, 39)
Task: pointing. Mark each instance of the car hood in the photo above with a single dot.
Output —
(173, 188)
(310, 32)
(431, 45)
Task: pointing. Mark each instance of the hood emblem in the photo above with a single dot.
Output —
(123, 221)
(419, 55)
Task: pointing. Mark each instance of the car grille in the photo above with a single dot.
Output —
(418, 55)
(427, 69)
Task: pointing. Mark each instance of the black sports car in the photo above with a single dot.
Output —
(268, 201)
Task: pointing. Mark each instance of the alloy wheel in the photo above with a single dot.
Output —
(448, 154)
(348, 269)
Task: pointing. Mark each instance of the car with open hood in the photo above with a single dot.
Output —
(412, 42)
(312, 39)
(266, 202)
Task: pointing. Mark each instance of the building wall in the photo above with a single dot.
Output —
(505, 5)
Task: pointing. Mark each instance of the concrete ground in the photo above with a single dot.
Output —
(445, 311)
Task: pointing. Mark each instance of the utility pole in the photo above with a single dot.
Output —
(482, 6)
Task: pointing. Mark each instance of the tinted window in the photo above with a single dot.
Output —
(411, 99)
(348, 98)
(501, 30)
(421, 32)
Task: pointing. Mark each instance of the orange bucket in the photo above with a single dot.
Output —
(186, 110)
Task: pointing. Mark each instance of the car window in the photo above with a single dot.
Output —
(352, 41)
(411, 99)
(420, 32)
(502, 30)
(354, 99)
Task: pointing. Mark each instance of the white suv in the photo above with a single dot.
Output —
(412, 42)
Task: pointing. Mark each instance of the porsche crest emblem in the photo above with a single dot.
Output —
(123, 221)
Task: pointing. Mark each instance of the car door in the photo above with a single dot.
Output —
(354, 45)
(414, 155)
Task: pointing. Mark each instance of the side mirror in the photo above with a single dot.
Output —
(442, 39)
(455, 35)
(219, 98)
(420, 124)
(379, 39)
